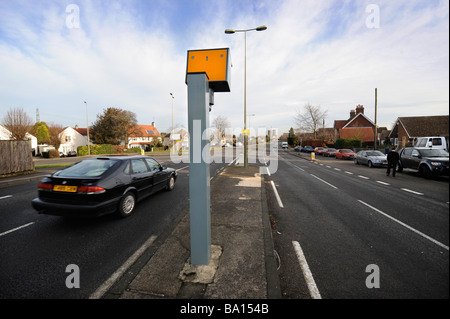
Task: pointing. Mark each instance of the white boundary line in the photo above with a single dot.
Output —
(323, 181)
(17, 228)
(407, 226)
(410, 191)
(276, 194)
(6, 196)
(312, 287)
(119, 272)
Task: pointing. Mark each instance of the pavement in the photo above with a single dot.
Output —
(242, 263)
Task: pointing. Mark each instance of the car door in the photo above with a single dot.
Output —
(141, 177)
(415, 159)
(159, 176)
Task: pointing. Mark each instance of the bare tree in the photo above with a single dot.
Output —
(310, 118)
(221, 123)
(18, 123)
(54, 131)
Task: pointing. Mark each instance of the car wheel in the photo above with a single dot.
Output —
(170, 183)
(127, 204)
(370, 164)
(425, 171)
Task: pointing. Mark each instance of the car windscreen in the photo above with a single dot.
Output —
(375, 153)
(347, 151)
(88, 168)
(434, 153)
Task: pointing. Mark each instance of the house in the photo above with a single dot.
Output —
(71, 138)
(5, 134)
(358, 126)
(179, 139)
(143, 136)
(408, 129)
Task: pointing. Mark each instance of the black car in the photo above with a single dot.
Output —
(427, 161)
(308, 149)
(102, 185)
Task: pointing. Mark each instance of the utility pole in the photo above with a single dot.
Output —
(376, 129)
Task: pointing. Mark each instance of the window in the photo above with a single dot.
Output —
(415, 153)
(68, 139)
(138, 166)
(407, 152)
(437, 141)
(154, 165)
(150, 132)
(88, 168)
(422, 142)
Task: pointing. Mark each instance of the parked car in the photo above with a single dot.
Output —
(71, 153)
(432, 142)
(371, 158)
(308, 149)
(427, 161)
(330, 152)
(319, 150)
(102, 185)
(298, 148)
(345, 153)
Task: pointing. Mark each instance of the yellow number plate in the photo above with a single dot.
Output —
(63, 188)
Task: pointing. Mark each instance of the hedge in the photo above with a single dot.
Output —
(101, 149)
(348, 143)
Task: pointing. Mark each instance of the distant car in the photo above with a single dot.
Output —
(330, 152)
(102, 185)
(319, 150)
(71, 153)
(298, 149)
(427, 161)
(345, 153)
(371, 158)
(308, 149)
(61, 154)
(284, 144)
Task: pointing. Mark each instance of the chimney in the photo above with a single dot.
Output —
(153, 124)
(360, 109)
(352, 114)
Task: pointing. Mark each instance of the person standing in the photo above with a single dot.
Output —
(392, 159)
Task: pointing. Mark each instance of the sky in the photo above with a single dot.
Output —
(131, 54)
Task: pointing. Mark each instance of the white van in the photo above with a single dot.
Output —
(432, 142)
(284, 144)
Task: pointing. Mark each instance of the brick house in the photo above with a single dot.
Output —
(358, 126)
(410, 128)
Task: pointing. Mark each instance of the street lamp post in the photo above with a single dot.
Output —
(87, 127)
(171, 133)
(231, 31)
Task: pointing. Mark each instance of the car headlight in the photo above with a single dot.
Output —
(436, 163)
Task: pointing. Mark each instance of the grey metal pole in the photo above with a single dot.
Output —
(245, 103)
(199, 175)
(87, 127)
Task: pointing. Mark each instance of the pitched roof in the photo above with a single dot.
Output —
(354, 119)
(419, 126)
(145, 131)
(339, 123)
(365, 134)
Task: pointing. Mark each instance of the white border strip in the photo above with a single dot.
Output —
(407, 226)
(276, 194)
(312, 287)
(119, 272)
(323, 181)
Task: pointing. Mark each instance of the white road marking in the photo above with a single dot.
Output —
(337, 169)
(119, 272)
(323, 181)
(6, 196)
(405, 225)
(384, 183)
(365, 177)
(410, 191)
(17, 228)
(347, 172)
(276, 195)
(312, 287)
(179, 169)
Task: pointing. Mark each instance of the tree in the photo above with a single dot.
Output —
(221, 123)
(18, 123)
(54, 131)
(291, 139)
(311, 118)
(40, 130)
(113, 126)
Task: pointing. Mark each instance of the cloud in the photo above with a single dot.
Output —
(132, 54)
